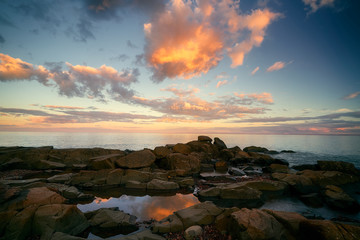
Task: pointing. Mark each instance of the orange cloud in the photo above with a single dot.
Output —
(255, 70)
(352, 95)
(16, 69)
(181, 92)
(276, 66)
(186, 40)
(62, 107)
(265, 98)
(221, 83)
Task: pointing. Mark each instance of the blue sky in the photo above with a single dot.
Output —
(266, 67)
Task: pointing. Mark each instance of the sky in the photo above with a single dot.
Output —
(180, 66)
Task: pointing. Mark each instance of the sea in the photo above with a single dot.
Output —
(308, 148)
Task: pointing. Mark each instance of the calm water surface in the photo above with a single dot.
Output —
(309, 148)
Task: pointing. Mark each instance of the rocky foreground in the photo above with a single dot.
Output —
(40, 187)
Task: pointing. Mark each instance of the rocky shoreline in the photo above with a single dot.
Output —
(41, 187)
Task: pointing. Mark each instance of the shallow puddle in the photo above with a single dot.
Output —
(144, 207)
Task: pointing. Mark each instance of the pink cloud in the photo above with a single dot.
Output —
(352, 95)
(264, 98)
(187, 40)
(221, 83)
(255, 70)
(181, 92)
(276, 66)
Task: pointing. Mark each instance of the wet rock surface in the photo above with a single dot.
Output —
(40, 187)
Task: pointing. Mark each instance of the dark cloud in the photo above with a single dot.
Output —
(114, 9)
(130, 44)
(20, 111)
(121, 58)
(82, 31)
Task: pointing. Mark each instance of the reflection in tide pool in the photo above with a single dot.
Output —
(146, 207)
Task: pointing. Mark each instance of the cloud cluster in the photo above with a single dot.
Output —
(276, 66)
(78, 80)
(189, 38)
(186, 104)
(314, 5)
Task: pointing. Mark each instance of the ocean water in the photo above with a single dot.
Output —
(308, 148)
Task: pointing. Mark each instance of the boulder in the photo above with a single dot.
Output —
(340, 166)
(223, 220)
(169, 224)
(255, 149)
(236, 171)
(299, 183)
(104, 162)
(60, 178)
(204, 147)
(226, 154)
(58, 218)
(268, 187)
(19, 225)
(279, 168)
(210, 192)
(244, 195)
(44, 164)
(34, 196)
(157, 184)
(188, 163)
(136, 175)
(135, 185)
(199, 214)
(323, 178)
(221, 166)
(204, 139)
(193, 232)
(256, 224)
(161, 152)
(182, 148)
(290, 220)
(115, 177)
(138, 159)
(186, 182)
(219, 143)
(105, 219)
(15, 163)
(328, 230)
(86, 178)
(312, 200)
(336, 198)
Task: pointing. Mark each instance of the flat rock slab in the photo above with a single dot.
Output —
(138, 159)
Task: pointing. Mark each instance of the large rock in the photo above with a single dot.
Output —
(161, 152)
(204, 139)
(182, 148)
(219, 143)
(136, 175)
(187, 163)
(199, 214)
(336, 198)
(138, 159)
(327, 230)
(115, 177)
(157, 184)
(193, 232)
(323, 178)
(290, 220)
(87, 178)
(256, 224)
(205, 147)
(58, 218)
(299, 183)
(106, 219)
(104, 162)
(340, 166)
(223, 221)
(171, 223)
(44, 164)
(255, 149)
(60, 178)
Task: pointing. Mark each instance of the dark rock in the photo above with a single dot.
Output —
(204, 139)
(171, 223)
(104, 162)
(327, 230)
(236, 171)
(157, 184)
(221, 166)
(302, 167)
(279, 168)
(187, 163)
(193, 232)
(219, 143)
(182, 148)
(138, 159)
(255, 149)
(272, 152)
(336, 198)
(226, 154)
(161, 152)
(312, 200)
(287, 151)
(298, 183)
(340, 166)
